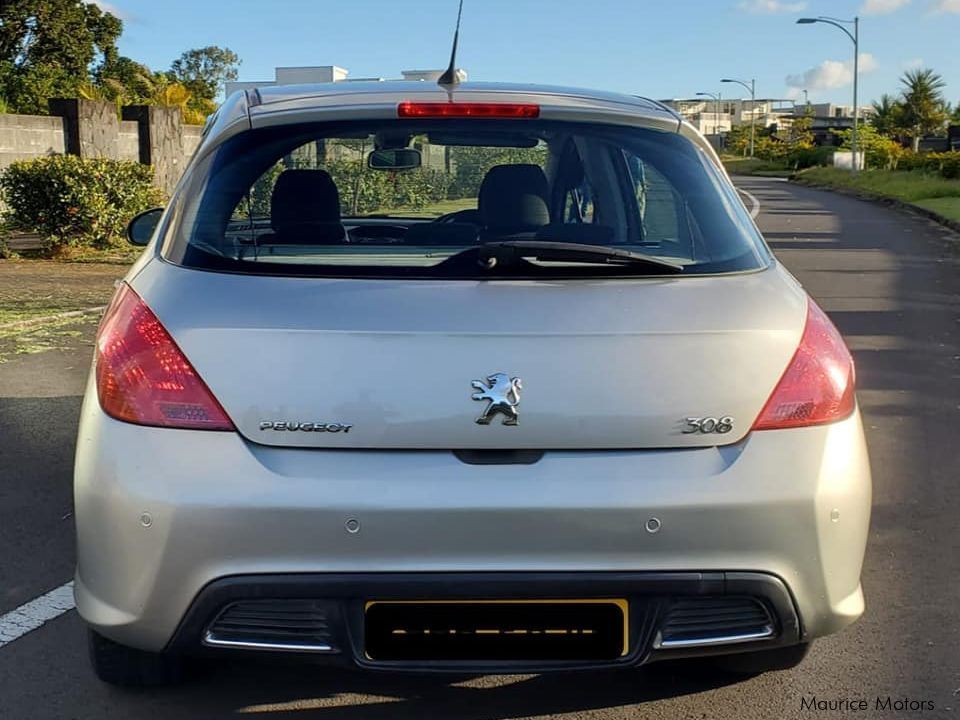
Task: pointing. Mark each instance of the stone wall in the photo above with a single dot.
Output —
(192, 135)
(128, 141)
(152, 135)
(28, 136)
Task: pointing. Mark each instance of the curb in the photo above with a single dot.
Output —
(885, 200)
(42, 320)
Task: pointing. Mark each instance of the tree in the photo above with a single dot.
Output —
(203, 71)
(800, 135)
(737, 140)
(174, 94)
(49, 47)
(796, 139)
(879, 151)
(924, 108)
(887, 115)
(128, 81)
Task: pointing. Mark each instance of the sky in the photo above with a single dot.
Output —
(657, 48)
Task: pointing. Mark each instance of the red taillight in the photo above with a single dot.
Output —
(144, 378)
(817, 386)
(471, 110)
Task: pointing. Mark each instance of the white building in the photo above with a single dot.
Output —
(711, 117)
(293, 76)
(328, 73)
(831, 110)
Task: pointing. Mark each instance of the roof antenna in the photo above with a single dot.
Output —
(451, 78)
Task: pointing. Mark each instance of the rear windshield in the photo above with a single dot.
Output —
(409, 198)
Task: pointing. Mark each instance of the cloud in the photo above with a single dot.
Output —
(772, 7)
(947, 6)
(829, 75)
(883, 7)
(912, 64)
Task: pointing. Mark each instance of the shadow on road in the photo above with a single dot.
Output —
(279, 690)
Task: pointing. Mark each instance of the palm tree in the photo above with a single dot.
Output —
(887, 112)
(924, 108)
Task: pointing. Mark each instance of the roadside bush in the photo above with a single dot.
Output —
(948, 163)
(951, 167)
(879, 151)
(257, 201)
(770, 148)
(820, 155)
(369, 190)
(945, 164)
(471, 165)
(76, 201)
(910, 161)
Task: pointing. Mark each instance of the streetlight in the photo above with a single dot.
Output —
(716, 113)
(855, 38)
(753, 99)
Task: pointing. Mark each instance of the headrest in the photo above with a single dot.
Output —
(305, 202)
(513, 198)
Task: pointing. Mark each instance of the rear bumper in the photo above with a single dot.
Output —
(162, 514)
(340, 599)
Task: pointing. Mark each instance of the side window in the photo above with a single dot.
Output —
(662, 210)
(659, 205)
(578, 204)
(577, 193)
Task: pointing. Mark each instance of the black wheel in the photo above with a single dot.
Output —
(128, 667)
(761, 661)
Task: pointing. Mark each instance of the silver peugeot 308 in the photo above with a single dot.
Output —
(488, 378)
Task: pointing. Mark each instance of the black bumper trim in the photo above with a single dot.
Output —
(648, 593)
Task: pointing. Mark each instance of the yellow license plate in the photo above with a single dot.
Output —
(497, 630)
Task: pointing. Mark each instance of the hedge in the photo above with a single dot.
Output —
(76, 201)
(364, 191)
(946, 164)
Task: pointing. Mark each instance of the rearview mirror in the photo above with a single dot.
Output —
(399, 159)
(142, 227)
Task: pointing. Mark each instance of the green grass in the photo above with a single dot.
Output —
(911, 187)
(736, 165)
(949, 207)
(435, 209)
(925, 190)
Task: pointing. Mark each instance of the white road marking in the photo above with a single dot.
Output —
(755, 210)
(36, 613)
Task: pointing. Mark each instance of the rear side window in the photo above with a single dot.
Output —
(406, 198)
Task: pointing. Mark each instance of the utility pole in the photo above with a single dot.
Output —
(716, 111)
(855, 39)
(752, 87)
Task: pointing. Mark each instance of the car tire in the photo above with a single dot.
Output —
(124, 666)
(761, 661)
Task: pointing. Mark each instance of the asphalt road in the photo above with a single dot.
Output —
(891, 282)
